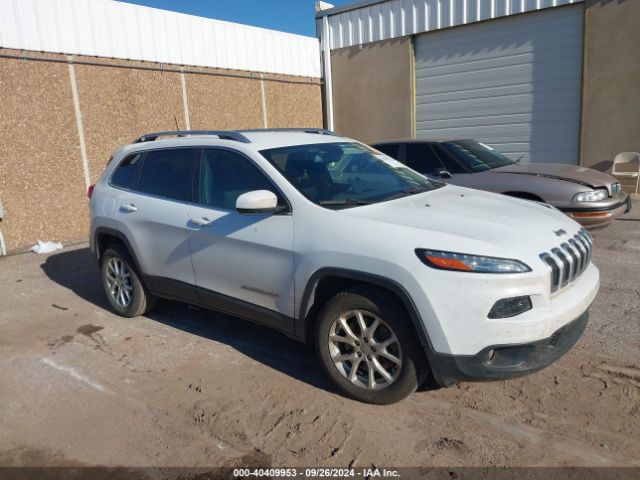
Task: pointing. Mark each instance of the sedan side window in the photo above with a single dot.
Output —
(391, 149)
(449, 163)
(225, 175)
(421, 158)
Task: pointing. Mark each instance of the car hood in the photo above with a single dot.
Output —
(571, 173)
(458, 217)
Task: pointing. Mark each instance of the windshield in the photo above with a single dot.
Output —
(346, 174)
(476, 156)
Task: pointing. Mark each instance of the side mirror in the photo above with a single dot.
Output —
(257, 201)
(442, 173)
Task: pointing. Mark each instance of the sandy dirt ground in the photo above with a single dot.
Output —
(186, 387)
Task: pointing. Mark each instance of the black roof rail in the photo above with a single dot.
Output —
(222, 134)
(319, 131)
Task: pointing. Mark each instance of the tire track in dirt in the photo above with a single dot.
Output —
(305, 436)
(567, 449)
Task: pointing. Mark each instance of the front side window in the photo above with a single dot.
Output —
(168, 173)
(345, 174)
(225, 175)
(449, 163)
(421, 158)
(477, 156)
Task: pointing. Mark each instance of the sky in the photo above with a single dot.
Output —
(293, 16)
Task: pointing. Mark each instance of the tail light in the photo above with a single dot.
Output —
(90, 191)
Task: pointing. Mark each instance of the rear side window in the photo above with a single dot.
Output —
(169, 173)
(126, 174)
(422, 158)
(391, 149)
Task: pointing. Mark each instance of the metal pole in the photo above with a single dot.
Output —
(3, 250)
(325, 41)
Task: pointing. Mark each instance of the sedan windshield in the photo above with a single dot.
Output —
(348, 174)
(476, 156)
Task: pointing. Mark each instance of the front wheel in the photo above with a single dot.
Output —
(366, 344)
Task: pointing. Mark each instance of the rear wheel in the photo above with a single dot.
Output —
(367, 347)
(122, 284)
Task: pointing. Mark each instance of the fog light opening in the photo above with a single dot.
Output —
(510, 307)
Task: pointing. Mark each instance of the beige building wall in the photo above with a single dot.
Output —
(293, 105)
(611, 82)
(116, 103)
(214, 102)
(42, 184)
(373, 90)
(42, 173)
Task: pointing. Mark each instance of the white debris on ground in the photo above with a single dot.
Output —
(45, 247)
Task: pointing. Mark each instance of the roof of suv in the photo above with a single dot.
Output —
(423, 140)
(263, 139)
(257, 139)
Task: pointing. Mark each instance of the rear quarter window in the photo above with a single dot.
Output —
(126, 174)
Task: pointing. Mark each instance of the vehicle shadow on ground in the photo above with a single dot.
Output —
(77, 271)
(265, 345)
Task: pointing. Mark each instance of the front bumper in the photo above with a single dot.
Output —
(507, 361)
(594, 217)
(454, 307)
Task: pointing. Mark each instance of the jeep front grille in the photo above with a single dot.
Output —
(569, 260)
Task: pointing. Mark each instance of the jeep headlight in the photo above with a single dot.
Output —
(591, 196)
(463, 262)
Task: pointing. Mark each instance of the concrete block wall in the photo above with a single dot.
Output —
(43, 171)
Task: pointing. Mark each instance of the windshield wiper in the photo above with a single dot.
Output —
(346, 201)
(408, 191)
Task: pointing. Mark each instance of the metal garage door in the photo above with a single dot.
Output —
(513, 83)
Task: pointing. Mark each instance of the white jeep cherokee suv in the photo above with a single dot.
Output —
(391, 276)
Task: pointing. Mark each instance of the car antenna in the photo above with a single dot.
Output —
(175, 119)
(519, 158)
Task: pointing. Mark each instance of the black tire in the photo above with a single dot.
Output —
(414, 367)
(141, 300)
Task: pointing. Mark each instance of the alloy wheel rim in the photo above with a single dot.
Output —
(118, 278)
(365, 350)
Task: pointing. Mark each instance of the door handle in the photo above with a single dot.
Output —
(129, 207)
(201, 221)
